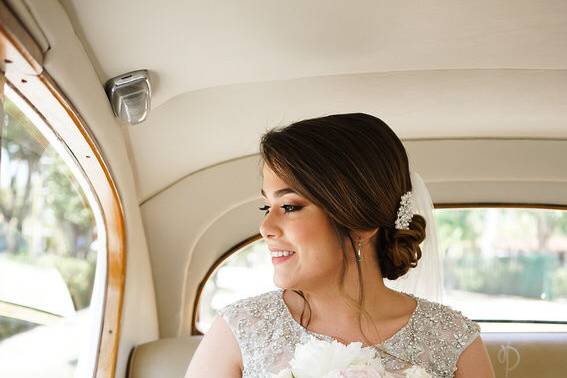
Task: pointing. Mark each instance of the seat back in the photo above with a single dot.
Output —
(513, 354)
(525, 354)
(163, 358)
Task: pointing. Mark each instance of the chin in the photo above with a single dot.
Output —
(283, 282)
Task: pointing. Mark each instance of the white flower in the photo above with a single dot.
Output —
(317, 358)
(286, 373)
(322, 359)
(357, 372)
(416, 372)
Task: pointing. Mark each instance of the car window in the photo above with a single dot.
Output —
(52, 276)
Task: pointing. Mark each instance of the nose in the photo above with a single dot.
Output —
(269, 227)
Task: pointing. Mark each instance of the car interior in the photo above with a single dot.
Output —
(130, 171)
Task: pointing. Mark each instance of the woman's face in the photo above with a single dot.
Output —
(295, 227)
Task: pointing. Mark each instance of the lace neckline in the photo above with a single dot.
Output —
(404, 329)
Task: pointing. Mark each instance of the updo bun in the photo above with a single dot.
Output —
(355, 168)
(398, 250)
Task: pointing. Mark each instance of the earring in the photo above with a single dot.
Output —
(358, 251)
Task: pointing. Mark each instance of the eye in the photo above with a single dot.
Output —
(265, 208)
(287, 208)
(291, 208)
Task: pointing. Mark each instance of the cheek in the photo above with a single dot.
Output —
(318, 246)
(302, 235)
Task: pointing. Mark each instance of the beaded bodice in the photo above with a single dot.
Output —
(267, 334)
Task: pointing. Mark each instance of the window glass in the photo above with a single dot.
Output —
(505, 264)
(49, 264)
(246, 273)
(500, 264)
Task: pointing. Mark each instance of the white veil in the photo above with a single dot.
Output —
(426, 279)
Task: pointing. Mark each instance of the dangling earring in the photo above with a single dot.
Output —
(358, 251)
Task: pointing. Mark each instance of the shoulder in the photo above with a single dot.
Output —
(205, 361)
(254, 306)
(246, 315)
(254, 322)
(442, 317)
(444, 332)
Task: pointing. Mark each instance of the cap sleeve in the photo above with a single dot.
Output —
(449, 334)
(464, 333)
(238, 317)
(253, 321)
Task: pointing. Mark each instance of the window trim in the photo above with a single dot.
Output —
(511, 205)
(254, 238)
(22, 63)
(27, 314)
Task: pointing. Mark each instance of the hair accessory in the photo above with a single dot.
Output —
(405, 212)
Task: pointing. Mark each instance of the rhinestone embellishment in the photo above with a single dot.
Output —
(405, 212)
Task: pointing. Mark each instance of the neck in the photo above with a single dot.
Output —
(330, 299)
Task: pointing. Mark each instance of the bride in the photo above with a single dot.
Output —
(341, 215)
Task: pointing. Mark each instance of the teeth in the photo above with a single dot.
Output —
(282, 253)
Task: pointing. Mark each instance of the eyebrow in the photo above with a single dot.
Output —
(280, 192)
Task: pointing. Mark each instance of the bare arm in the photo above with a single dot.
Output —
(218, 354)
(474, 362)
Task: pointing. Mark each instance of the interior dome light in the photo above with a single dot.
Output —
(130, 96)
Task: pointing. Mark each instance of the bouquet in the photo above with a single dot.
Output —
(323, 359)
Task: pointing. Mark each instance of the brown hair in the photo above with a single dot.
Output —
(356, 169)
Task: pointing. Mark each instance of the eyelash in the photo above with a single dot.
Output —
(286, 208)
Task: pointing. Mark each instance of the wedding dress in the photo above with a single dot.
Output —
(433, 338)
(267, 334)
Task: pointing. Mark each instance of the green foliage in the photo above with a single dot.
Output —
(63, 196)
(458, 225)
(10, 327)
(516, 261)
(41, 191)
(559, 283)
(528, 276)
(459, 228)
(77, 273)
(20, 137)
(560, 218)
(44, 216)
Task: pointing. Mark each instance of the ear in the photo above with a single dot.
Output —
(364, 235)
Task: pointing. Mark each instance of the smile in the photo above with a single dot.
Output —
(282, 253)
(279, 257)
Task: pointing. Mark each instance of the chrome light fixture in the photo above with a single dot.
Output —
(130, 96)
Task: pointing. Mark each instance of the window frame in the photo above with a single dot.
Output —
(22, 63)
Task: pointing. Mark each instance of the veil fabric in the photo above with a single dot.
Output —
(426, 279)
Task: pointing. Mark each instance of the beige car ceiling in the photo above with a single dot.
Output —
(224, 71)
